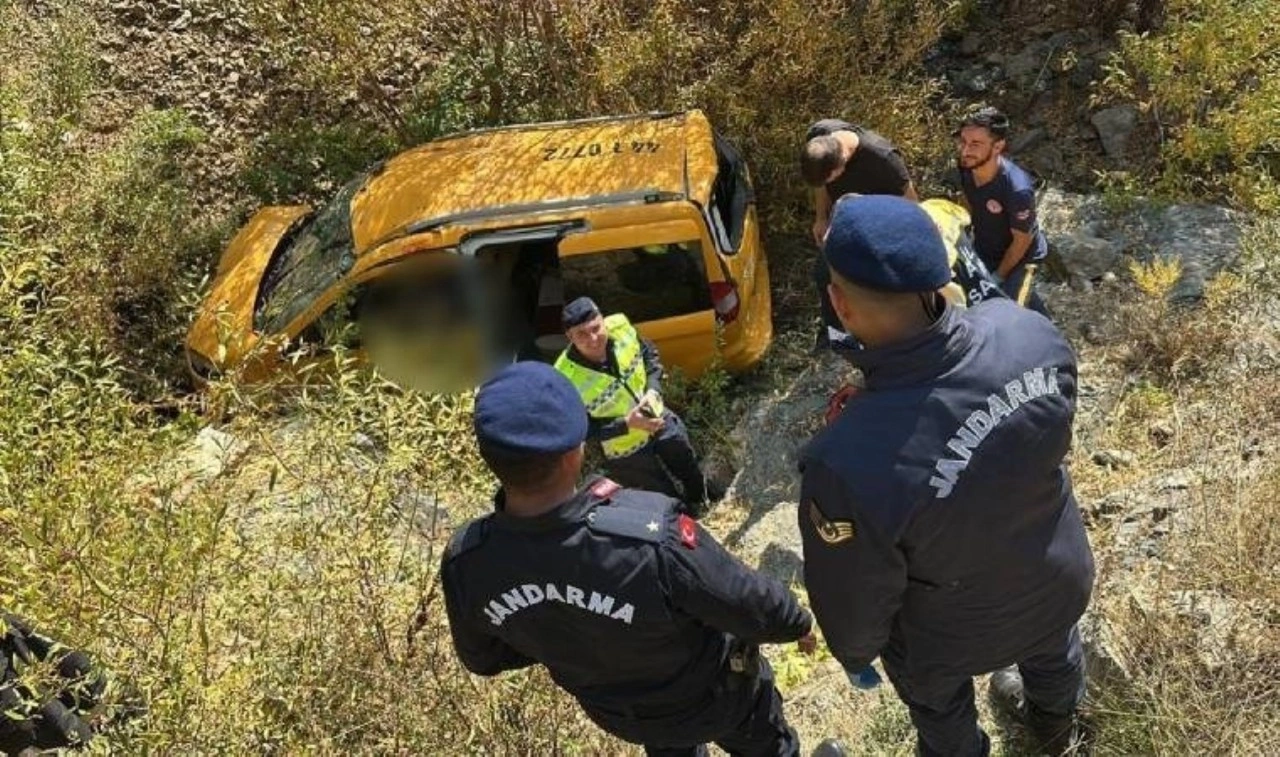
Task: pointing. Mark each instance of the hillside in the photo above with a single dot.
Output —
(257, 564)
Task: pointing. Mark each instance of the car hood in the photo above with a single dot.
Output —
(223, 327)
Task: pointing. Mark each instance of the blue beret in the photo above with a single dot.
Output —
(579, 312)
(886, 243)
(529, 407)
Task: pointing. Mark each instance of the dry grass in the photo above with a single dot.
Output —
(1187, 536)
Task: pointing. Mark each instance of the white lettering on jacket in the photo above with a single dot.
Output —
(518, 598)
(1030, 386)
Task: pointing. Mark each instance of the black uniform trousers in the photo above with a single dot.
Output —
(667, 464)
(762, 732)
(942, 706)
(1020, 286)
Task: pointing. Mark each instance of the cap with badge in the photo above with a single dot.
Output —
(578, 312)
(529, 408)
(886, 243)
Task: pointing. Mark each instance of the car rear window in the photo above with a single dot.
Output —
(647, 283)
(307, 264)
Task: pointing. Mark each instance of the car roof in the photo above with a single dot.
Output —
(527, 168)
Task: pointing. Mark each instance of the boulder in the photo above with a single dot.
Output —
(1114, 126)
(976, 80)
(1087, 256)
(211, 452)
(1028, 63)
(1027, 140)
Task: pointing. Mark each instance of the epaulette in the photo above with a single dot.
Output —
(467, 538)
(635, 523)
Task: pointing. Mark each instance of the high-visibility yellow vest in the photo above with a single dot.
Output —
(607, 396)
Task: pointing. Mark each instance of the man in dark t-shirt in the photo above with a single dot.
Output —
(840, 158)
(1001, 199)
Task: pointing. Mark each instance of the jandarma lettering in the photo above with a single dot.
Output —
(1035, 383)
(518, 598)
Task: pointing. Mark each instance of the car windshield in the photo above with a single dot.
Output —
(305, 266)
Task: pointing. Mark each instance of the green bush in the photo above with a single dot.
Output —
(1211, 79)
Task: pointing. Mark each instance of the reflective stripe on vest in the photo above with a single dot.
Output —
(605, 395)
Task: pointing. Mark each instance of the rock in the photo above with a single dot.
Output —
(1160, 433)
(1046, 161)
(1113, 458)
(1067, 211)
(364, 443)
(212, 452)
(182, 23)
(1189, 288)
(1216, 618)
(1028, 63)
(976, 80)
(423, 512)
(1114, 126)
(772, 435)
(1027, 140)
(972, 43)
(1085, 71)
(1070, 38)
(772, 543)
(1086, 256)
(1177, 481)
(1208, 234)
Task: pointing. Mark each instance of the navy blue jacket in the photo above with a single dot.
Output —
(936, 511)
(628, 604)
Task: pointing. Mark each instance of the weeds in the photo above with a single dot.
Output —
(1209, 80)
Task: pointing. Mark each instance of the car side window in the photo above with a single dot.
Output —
(731, 196)
(647, 283)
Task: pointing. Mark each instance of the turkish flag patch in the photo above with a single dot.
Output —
(688, 531)
(604, 488)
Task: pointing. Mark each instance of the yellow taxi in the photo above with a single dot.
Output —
(459, 253)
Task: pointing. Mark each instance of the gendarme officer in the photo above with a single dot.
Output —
(635, 609)
(939, 525)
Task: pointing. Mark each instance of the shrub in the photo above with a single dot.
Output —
(1211, 80)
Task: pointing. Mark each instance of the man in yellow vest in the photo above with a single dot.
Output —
(617, 374)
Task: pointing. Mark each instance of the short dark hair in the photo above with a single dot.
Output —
(992, 119)
(820, 156)
(522, 470)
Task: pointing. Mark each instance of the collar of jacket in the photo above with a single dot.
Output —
(921, 358)
(572, 510)
(610, 364)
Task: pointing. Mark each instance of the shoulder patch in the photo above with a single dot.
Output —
(626, 521)
(688, 532)
(467, 538)
(604, 488)
(832, 532)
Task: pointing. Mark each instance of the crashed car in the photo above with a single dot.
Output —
(459, 254)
